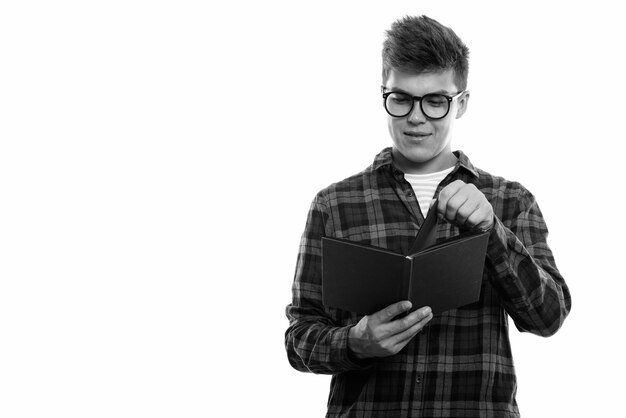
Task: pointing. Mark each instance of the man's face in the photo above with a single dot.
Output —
(421, 144)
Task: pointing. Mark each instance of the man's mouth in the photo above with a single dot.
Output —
(416, 134)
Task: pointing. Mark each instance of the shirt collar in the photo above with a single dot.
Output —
(384, 159)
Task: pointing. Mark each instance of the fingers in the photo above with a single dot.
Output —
(401, 325)
(370, 338)
(391, 311)
(457, 201)
(446, 194)
(465, 206)
(404, 337)
(482, 218)
(466, 209)
(400, 340)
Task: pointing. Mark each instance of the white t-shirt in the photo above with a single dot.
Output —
(425, 185)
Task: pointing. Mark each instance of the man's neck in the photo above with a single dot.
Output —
(441, 162)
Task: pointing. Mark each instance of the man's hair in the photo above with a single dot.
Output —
(419, 44)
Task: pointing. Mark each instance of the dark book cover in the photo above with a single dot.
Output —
(365, 279)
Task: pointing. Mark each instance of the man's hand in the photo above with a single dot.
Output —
(378, 335)
(464, 205)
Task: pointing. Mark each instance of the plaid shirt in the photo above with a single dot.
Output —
(460, 365)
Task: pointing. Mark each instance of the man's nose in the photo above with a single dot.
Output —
(416, 116)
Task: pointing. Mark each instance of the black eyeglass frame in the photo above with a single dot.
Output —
(420, 100)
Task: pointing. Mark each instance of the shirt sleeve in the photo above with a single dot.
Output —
(523, 270)
(313, 341)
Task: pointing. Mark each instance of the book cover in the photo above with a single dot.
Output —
(365, 279)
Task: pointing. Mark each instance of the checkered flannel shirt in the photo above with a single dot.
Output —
(460, 365)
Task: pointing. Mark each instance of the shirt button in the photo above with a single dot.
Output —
(418, 380)
(410, 194)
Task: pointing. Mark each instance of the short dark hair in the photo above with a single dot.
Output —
(418, 44)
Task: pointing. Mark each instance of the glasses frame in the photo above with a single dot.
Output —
(419, 99)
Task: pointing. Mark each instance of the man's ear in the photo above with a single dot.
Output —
(462, 104)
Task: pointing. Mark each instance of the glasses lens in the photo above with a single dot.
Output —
(399, 104)
(435, 106)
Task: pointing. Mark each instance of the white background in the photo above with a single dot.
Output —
(157, 161)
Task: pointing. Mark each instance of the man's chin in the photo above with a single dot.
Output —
(413, 156)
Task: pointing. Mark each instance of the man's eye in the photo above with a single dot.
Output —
(400, 100)
(435, 101)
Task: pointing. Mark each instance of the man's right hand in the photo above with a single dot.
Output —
(379, 335)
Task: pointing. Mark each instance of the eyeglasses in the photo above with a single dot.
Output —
(434, 105)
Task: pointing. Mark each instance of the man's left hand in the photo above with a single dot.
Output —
(465, 206)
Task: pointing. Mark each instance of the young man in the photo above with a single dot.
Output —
(456, 363)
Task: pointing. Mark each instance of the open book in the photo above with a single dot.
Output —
(365, 279)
